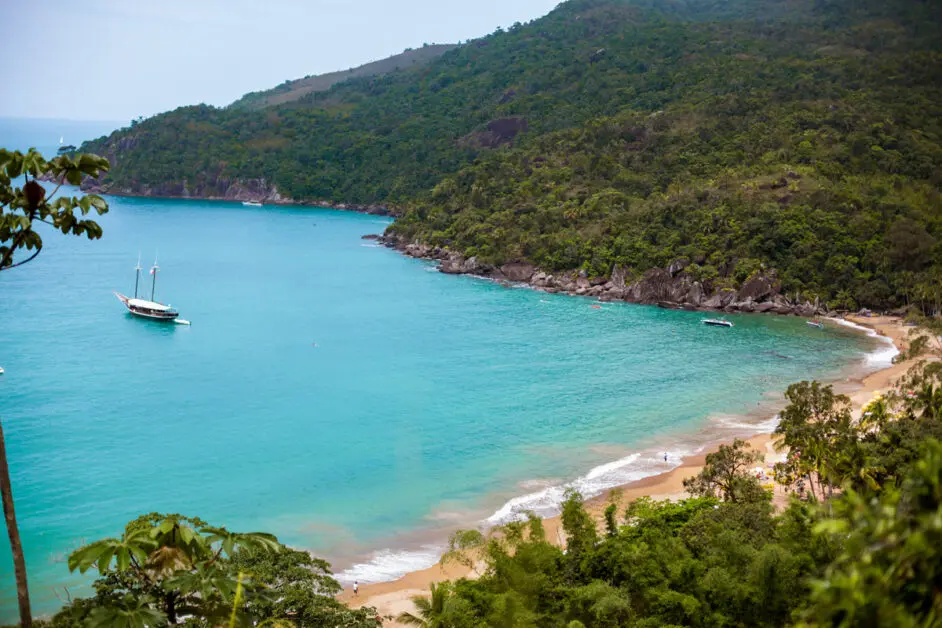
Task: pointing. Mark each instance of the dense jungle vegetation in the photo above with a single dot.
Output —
(799, 135)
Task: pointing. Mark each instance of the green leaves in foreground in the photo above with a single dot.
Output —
(891, 564)
(164, 568)
(129, 612)
(23, 208)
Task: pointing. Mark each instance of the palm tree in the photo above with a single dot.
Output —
(430, 609)
(176, 559)
(16, 546)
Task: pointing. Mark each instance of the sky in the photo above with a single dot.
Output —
(119, 59)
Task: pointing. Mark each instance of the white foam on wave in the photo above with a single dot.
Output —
(546, 502)
(385, 565)
(766, 426)
(880, 358)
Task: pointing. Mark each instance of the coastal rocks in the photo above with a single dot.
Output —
(669, 287)
(807, 309)
(676, 266)
(461, 266)
(756, 288)
(618, 277)
(518, 271)
(695, 294)
(654, 286)
(720, 300)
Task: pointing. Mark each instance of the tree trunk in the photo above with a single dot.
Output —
(16, 547)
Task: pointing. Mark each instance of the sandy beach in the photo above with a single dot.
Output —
(392, 598)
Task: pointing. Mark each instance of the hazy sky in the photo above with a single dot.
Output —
(118, 59)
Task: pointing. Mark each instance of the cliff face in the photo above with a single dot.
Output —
(669, 287)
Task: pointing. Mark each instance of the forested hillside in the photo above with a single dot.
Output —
(797, 135)
(298, 88)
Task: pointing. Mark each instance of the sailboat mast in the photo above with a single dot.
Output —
(153, 285)
(137, 277)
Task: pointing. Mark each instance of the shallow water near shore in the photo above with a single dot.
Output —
(335, 393)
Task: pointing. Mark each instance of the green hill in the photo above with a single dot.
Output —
(294, 90)
(743, 135)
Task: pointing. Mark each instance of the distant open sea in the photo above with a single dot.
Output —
(348, 399)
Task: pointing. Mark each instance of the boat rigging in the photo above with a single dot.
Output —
(150, 309)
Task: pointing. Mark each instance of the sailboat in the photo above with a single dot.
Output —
(149, 309)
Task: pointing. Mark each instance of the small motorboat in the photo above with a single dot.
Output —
(816, 323)
(716, 322)
(252, 203)
(1, 370)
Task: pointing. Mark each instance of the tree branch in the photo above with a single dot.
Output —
(20, 263)
(19, 237)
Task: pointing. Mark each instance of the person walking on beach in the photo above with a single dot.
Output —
(665, 456)
(356, 588)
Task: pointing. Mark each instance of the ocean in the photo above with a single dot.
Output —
(348, 399)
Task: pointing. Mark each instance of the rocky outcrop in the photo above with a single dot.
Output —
(654, 286)
(518, 271)
(669, 287)
(496, 133)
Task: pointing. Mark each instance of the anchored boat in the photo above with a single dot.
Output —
(252, 203)
(716, 322)
(149, 309)
(816, 323)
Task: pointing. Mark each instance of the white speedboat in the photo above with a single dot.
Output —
(816, 323)
(252, 203)
(716, 322)
(147, 308)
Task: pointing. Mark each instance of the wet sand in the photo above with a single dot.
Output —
(394, 597)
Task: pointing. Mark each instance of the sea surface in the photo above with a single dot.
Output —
(351, 400)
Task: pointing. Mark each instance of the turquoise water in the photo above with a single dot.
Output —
(428, 402)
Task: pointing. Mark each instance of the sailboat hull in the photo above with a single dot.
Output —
(147, 309)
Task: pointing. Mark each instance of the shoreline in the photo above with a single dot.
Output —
(672, 287)
(246, 194)
(394, 596)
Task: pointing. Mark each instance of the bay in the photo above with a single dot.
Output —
(337, 394)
